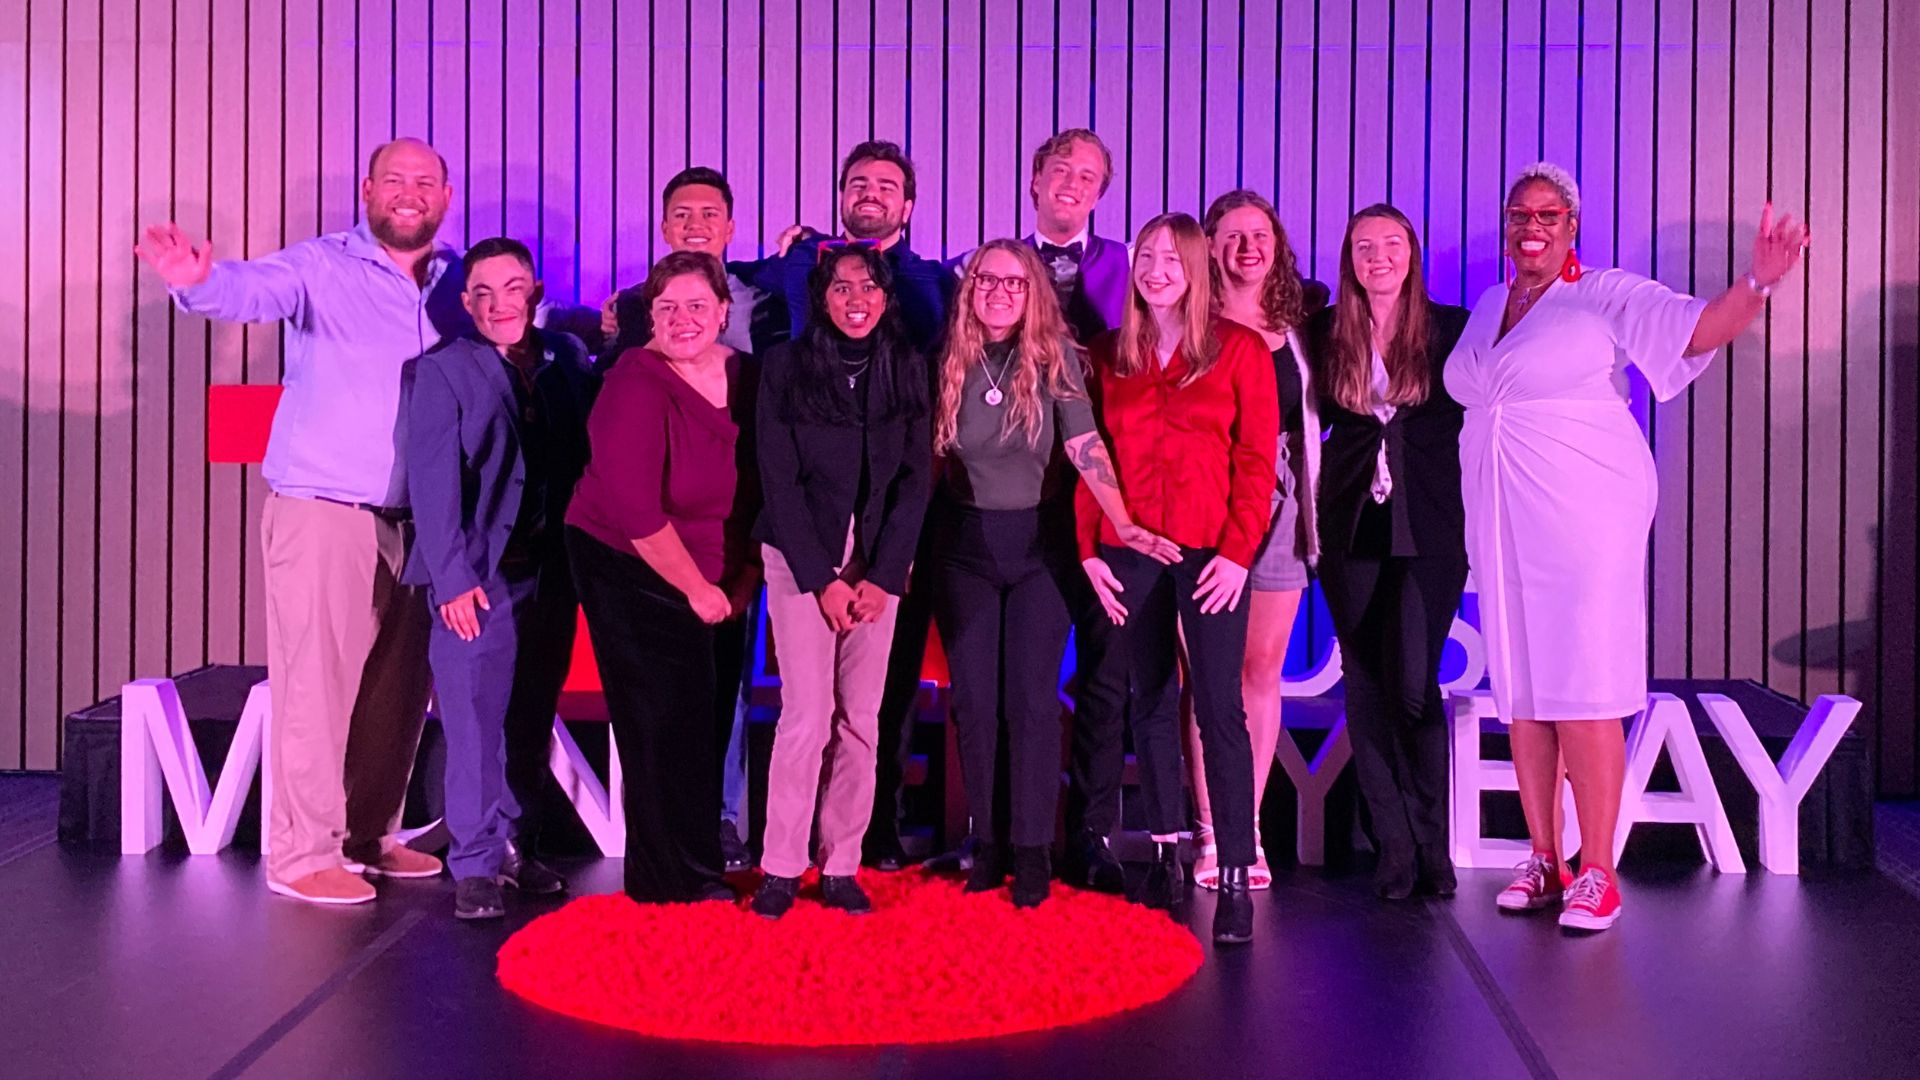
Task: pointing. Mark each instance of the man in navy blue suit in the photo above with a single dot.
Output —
(496, 438)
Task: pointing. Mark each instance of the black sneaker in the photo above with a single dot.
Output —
(529, 875)
(478, 898)
(775, 896)
(844, 893)
(732, 852)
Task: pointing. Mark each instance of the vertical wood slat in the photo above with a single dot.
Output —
(1785, 545)
(114, 308)
(17, 77)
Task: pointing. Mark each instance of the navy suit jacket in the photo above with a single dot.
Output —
(922, 286)
(465, 470)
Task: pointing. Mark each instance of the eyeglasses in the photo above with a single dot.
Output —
(1547, 216)
(986, 283)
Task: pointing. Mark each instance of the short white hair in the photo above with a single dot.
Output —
(1552, 174)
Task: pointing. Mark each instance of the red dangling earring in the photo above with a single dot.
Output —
(1570, 270)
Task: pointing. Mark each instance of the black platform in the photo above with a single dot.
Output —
(170, 965)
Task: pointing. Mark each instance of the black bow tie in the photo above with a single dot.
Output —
(1071, 251)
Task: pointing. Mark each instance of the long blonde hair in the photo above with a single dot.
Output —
(1139, 337)
(1040, 352)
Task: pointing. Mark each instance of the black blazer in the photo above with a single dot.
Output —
(810, 476)
(1423, 453)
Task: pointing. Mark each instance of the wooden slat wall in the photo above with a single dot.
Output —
(1786, 545)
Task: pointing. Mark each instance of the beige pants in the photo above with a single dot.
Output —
(347, 656)
(830, 689)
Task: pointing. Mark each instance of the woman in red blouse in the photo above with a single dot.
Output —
(657, 536)
(1188, 405)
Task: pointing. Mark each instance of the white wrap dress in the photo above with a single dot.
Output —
(1560, 486)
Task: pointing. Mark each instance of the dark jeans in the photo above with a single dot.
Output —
(657, 665)
(1004, 625)
(496, 696)
(1392, 615)
(1100, 701)
(1159, 602)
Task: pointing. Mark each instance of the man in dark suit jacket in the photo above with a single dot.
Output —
(496, 438)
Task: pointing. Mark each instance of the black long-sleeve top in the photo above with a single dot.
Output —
(818, 476)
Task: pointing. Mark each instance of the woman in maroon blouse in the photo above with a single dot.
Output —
(657, 534)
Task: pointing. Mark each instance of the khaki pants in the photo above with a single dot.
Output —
(830, 689)
(347, 656)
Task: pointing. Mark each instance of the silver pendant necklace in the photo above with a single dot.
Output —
(1527, 293)
(993, 396)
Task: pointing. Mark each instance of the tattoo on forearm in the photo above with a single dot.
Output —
(1092, 461)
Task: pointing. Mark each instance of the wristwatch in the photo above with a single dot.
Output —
(1763, 291)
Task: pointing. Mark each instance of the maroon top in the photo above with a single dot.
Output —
(663, 455)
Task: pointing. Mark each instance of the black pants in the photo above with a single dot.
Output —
(1159, 602)
(1100, 699)
(657, 664)
(1004, 624)
(899, 705)
(1392, 615)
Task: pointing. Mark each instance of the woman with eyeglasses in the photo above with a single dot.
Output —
(1012, 395)
(845, 457)
(1190, 411)
(1559, 488)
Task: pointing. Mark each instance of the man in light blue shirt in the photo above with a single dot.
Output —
(346, 642)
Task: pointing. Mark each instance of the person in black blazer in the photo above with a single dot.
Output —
(846, 459)
(1393, 552)
(496, 438)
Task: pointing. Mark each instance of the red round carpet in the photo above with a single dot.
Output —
(931, 964)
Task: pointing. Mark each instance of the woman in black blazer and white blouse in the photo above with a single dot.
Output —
(1393, 556)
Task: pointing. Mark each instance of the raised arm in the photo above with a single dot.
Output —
(265, 289)
(1776, 251)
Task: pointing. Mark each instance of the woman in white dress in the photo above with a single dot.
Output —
(1560, 490)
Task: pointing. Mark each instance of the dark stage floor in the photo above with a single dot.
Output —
(170, 965)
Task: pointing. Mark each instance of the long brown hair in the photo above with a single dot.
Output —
(1349, 363)
(1139, 337)
(1040, 351)
(1283, 300)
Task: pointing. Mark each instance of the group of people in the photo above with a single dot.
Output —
(1154, 445)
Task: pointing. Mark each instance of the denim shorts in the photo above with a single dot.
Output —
(1281, 563)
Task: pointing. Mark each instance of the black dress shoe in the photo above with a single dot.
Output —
(717, 890)
(1166, 886)
(845, 894)
(733, 853)
(1091, 864)
(529, 875)
(478, 898)
(1032, 876)
(1233, 913)
(775, 896)
(1434, 870)
(1393, 877)
(989, 870)
(959, 860)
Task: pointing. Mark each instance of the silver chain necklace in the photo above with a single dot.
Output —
(993, 396)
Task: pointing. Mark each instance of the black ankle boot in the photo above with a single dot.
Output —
(1166, 886)
(1233, 915)
(1090, 864)
(989, 870)
(1032, 876)
(1393, 876)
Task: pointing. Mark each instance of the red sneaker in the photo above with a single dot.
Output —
(1593, 902)
(1543, 880)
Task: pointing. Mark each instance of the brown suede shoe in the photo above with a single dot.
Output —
(329, 886)
(399, 862)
